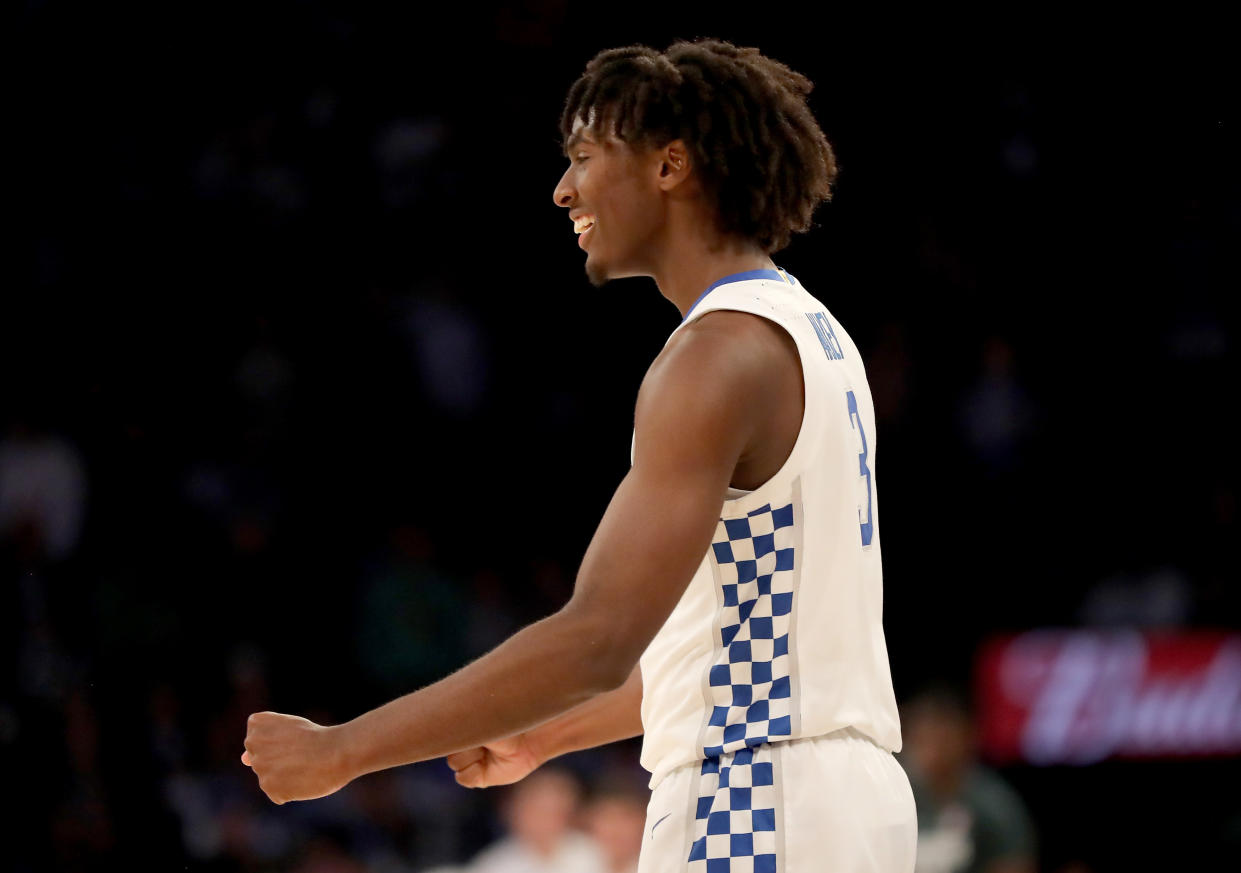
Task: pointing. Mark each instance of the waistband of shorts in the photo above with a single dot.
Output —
(843, 734)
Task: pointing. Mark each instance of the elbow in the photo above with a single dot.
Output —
(606, 657)
(615, 674)
(596, 681)
(607, 666)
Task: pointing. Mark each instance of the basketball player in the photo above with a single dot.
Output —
(739, 559)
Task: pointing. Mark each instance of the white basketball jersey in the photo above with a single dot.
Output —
(779, 634)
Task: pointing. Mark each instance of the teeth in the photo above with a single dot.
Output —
(581, 225)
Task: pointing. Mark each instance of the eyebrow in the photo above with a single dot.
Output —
(577, 137)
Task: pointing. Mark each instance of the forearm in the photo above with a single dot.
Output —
(538, 673)
(647, 547)
(606, 718)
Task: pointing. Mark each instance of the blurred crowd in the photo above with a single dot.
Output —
(306, 403)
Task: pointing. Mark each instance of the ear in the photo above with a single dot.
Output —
(674, 165)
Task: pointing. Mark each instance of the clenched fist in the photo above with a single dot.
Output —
(498, 763)
(294, 758)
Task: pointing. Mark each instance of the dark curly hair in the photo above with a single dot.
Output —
(752, 138)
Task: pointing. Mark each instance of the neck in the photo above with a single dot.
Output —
(691, 264)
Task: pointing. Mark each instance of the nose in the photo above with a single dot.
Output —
(565, 193)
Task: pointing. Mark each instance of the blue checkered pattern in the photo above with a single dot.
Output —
(735, 823)
(751, 700)
(749, 678)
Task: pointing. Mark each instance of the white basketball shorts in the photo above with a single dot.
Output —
(835, 803)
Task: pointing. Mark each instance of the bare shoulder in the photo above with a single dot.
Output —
(729, 351)
(717, 378)
(746, 332)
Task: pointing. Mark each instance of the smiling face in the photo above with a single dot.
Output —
(613, 193)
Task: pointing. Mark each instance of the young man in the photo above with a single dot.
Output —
(739, 558)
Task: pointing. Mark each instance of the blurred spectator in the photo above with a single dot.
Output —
(1162, 597)
(167, 739)
(326, 853)
(45, 668)
(224, 820)
(997, 415)
(445, 823)
(405, 151)
(243, 498)
(529, 23)
(45, 632)
(616, 818)
(1218, 595)
(264, 377)
(969, 819)
(1075, 866)
(42, 492)
(82, 828)
(1019, 152)
(539, 813)
(413, 616)
(889, 364)
(450, 349)
(248, 165)
(491, 618)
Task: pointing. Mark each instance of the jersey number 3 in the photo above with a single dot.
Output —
(865, 517)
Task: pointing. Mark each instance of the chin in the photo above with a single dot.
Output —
(597, 274)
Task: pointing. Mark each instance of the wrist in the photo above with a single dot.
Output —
(344, 754)
(539, 744)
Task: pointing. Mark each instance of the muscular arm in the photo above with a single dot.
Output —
(605, 718)
(694, 420)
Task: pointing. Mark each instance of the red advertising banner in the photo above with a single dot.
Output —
(1081, 696)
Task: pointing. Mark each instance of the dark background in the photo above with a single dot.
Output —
(293, 307)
